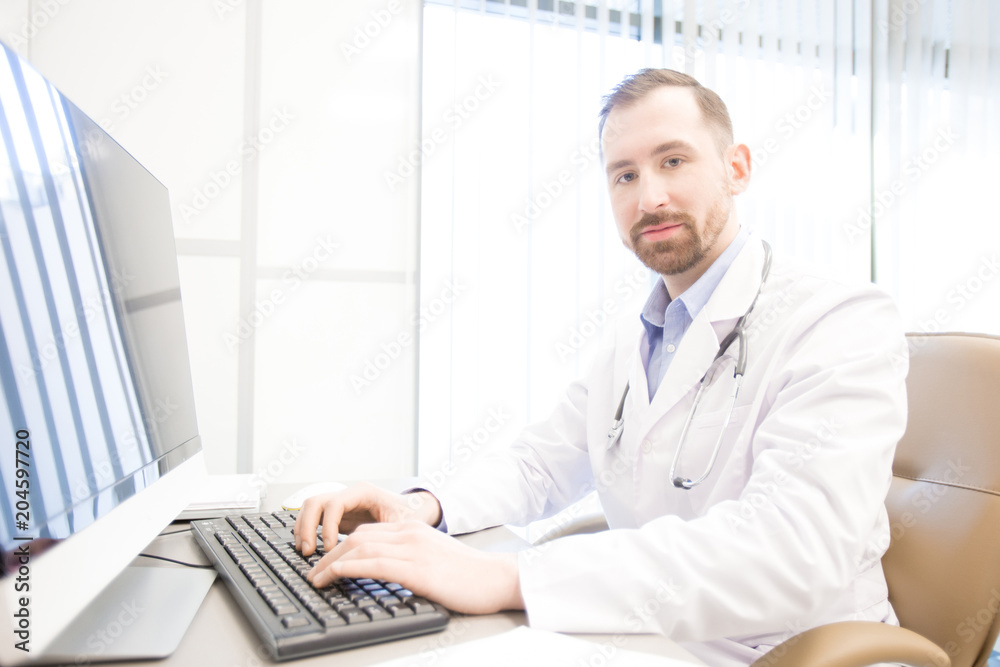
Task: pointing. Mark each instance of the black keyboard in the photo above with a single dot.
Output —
(255, 555)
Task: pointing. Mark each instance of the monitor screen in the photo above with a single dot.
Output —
(94, 373)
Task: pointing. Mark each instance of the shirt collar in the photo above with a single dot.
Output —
(695, 297)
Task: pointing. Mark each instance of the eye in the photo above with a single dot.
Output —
(627, 177)
(673, 161)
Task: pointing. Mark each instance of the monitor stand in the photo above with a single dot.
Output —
(142, 614)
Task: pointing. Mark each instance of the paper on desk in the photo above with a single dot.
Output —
(526, 646)
(224, 494)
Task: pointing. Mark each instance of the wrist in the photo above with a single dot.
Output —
(426, 508)
(509, 596)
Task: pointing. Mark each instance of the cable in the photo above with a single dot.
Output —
(175, 532)
(179, 562)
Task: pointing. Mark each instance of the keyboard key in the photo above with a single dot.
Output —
(300, 588)
(331, 620)
(353, 616)
(419, 605)
(377, 613)
(399, 609)
(318, 608)
(258, 580)
(268, 535)
(294, 621)
(285, 609)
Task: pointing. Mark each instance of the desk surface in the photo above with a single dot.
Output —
(221, 636)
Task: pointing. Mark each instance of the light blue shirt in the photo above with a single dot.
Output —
(667, 321)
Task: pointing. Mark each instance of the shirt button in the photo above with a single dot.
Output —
(671, 348)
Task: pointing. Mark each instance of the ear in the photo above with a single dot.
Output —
(738, 168)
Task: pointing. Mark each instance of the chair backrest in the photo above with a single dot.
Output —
(943, 562)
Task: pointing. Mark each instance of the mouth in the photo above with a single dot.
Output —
(662, 231)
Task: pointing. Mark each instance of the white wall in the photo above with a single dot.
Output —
(271, 126)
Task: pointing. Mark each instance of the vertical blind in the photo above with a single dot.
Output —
(936, 94)
(835, 100)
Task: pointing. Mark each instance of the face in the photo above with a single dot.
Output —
(671, 189)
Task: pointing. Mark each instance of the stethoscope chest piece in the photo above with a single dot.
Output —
(615, 432)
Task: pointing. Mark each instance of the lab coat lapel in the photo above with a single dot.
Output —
(699, 345)
(737, 289)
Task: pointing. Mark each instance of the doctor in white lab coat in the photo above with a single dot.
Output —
(787, 527)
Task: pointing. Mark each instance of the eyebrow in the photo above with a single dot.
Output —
(665, 147)
(672, 146)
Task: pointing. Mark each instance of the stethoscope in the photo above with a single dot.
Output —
(737, 334)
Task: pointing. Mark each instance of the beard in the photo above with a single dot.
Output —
(687, 247)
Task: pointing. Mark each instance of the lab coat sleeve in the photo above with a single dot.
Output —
(810, 518)
(543, 471)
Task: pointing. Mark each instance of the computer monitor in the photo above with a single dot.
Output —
(99, 446)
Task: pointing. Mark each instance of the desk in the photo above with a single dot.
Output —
(220, 636)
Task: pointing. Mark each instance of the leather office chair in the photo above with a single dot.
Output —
(943, 562)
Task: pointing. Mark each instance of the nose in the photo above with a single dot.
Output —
(652, 193)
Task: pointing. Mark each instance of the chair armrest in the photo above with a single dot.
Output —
(588, 523)
(855, 644)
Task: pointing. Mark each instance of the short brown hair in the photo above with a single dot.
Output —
(636, 86)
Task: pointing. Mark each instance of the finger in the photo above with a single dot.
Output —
(376, 560)
(328, 508)
(333, 512)
(369, 532)
(355, 506)
(306, 523)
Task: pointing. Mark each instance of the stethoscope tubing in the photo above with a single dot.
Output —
(738, 334)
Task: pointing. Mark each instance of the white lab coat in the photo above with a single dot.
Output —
(788, 530)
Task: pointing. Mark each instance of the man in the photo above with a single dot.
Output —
(768, 521)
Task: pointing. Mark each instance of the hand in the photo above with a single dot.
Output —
(343, 511)
(427, 562)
